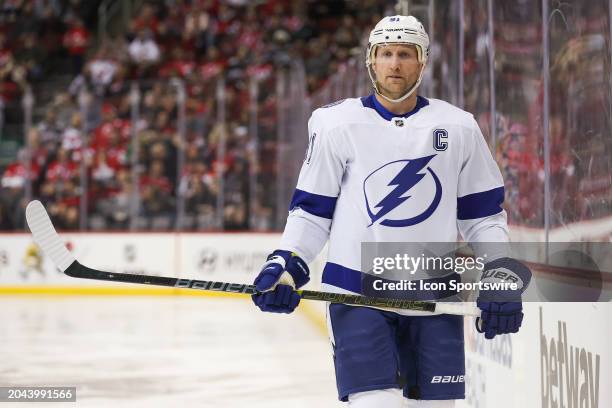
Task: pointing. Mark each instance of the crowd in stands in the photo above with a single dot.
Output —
(37, 40)
(92, 126)
(580, 146)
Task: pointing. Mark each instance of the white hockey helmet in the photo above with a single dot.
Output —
(398, 30)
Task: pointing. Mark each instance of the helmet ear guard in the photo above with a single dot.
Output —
(398, 30)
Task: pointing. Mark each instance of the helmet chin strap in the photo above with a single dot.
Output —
(403, 97)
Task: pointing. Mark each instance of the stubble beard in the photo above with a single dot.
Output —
(393, 94)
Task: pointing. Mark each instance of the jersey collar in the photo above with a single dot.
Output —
(371, 102)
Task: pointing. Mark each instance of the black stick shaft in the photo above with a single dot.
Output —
(77, 270)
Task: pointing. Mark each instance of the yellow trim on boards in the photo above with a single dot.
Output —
(107, 291)
(310, 311)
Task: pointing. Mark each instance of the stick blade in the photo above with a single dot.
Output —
(46, 237)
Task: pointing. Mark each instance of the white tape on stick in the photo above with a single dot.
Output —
(46, 237)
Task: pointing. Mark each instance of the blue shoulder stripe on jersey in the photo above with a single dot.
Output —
(479, 205)
(342, 277)
(315, 204)
(372, 102)
(358, 282)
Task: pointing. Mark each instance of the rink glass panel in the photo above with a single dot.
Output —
(580, 112)
(133, 141)
(518, 124)
(477, 75)
(579, 167)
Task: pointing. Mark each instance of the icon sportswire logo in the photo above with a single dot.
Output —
(413, 183)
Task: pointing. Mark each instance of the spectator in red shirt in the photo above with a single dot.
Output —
(213, 65)
(15, 176)
(146, 19)
(61, 169)
(76, 41)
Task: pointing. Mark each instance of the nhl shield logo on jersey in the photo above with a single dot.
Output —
(402, 193)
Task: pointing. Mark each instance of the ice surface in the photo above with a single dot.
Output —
(164, 351)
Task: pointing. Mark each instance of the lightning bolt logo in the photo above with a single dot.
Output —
(409, 176)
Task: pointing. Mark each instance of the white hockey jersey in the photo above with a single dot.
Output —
(372, 176)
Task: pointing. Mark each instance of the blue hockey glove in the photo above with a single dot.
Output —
(280, 275)
(502, 310)
(499, 318)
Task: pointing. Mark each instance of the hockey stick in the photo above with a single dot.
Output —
(52, 245)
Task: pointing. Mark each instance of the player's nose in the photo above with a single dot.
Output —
(395, 62)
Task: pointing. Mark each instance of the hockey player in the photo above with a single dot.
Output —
(391, 167)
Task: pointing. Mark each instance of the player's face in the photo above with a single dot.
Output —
(397, 68)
